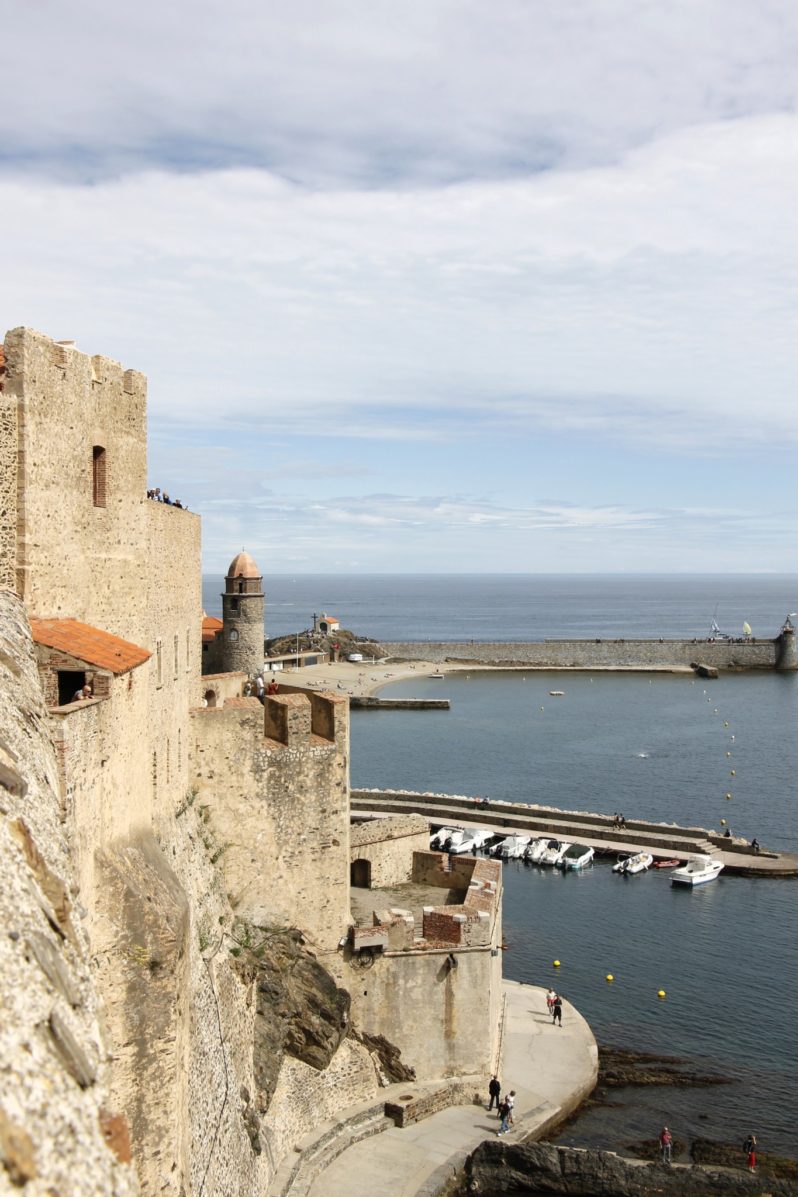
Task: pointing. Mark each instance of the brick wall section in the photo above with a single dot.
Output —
(594, 654)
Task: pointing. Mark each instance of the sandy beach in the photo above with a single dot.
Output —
(361, 679)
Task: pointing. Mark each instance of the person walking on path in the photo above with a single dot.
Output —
(551, 997)
(665, 1145)
(504, 1114)
(495, 1091)
(556, 1010)
(749, 1147)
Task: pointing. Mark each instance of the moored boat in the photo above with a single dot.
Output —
(553, 852)
(576, 857)
(698, 871)
(639, 863)
(535, 850)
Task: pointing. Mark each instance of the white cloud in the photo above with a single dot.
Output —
(655, 299)
(374, 93)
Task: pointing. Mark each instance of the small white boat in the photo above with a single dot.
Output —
(535, 850)
(698, 871)
(443, 838)
(553, 852)
(557, 693)
(577, 856)
(637, 863)
(437, 676)
(517, 846)
(472, 841)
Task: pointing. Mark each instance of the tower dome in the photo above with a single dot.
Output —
(243, 566)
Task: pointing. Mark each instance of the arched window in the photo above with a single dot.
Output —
(98, 476)
(233, 634)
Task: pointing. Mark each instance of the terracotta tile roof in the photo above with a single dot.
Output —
(89, 644)
(211, 626)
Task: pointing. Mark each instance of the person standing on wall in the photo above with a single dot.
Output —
(494, 1091)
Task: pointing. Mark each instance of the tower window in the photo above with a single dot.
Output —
(234, 605)
(98, 475)
(234, 634)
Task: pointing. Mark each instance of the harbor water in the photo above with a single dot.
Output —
(659, 747)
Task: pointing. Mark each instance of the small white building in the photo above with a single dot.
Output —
(326, 624)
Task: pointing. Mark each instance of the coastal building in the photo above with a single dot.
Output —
(178, 853)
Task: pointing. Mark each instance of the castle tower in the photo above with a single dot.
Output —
(243, 607)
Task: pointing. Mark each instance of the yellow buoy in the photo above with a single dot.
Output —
(723, 822)
(556, 964)
(660, 993)
(728, 754)
(728, 797)
(542, 708)
(609, 977)
(725, 723)
(732, 773)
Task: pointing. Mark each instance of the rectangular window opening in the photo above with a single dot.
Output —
(98, 476)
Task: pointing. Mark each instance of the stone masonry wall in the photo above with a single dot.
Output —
(280, 807)
(388, 845)
(67, 404)
(437, 998)
(8, 488)
(594, 654)
(58, 1127)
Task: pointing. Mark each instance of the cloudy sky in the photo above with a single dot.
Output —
(440, 285)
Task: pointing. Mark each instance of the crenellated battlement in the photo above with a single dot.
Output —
(297, 720)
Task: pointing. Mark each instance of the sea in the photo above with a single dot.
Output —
(663, 747)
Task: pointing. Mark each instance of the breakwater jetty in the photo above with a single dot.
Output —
(662, 840)
(598, 654)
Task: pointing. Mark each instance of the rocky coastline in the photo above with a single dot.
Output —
(534, 1169)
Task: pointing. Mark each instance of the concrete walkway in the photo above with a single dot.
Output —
(552, 1070)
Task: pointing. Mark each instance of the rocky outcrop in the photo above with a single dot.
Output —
(540, 1168)
(301, 1012)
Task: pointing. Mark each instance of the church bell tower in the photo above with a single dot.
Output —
(243, 609)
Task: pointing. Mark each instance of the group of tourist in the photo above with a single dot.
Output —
(504, 1105)
(159, 496)
(259, 689)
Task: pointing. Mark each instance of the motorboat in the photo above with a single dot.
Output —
(535, 850)
(516, 846)
(637, 863)
(472, 841)
(451, 844)
(557, 693)
(553, 852)
(441, 836)
(698, 871)
(577, 856)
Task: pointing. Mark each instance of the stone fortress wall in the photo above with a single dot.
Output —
(435, 990)
(59, 1127)
(595, 654)
(184, 834)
